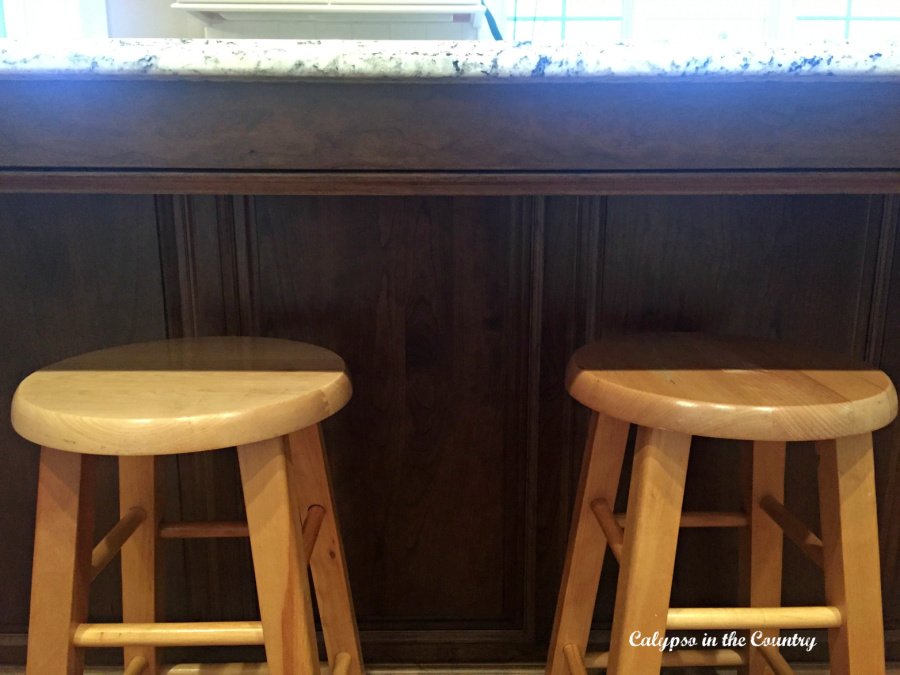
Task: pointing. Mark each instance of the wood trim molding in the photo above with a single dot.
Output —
(400, 183)
(447, 126)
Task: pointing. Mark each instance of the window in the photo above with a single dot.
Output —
(742, 20)
(53, 18)
(850, 19)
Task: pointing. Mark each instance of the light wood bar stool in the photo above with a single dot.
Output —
(141, 401)
(673, 387)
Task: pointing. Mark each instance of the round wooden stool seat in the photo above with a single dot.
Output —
(178, 396)
(739, 388)
(264, 396)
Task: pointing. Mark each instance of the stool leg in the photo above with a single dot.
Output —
(648, 552)
(329, 569)
(850, 552)
(278, 560)
(61, 572)
(139, 486)
(600, 471)
(764, 541)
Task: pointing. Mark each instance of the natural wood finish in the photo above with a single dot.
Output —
(850, 553)
(531, 125)
(227, 391)
(176, 634)
(139, 487)
(341, 664)
(574, 660)
(723, 658)
(651, 535)
(311, 476)
(740, 388)
(775, 660)
(216, 669)
(279, 561)
(452, 184)
(764, 542)
(740, 618)
(611, 529)
(601, 467)
(220, 530)
(102, 288)
(311, 525)
(109, 547)
(793, 529)
(136, 666)
(691, 519)
(62, 562)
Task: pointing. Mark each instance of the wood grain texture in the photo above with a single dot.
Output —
(470, 183)
(731, 387)
(762, 543)
(522, 126)
(424, 296)
(61, 575)
(601, 468)
(311, 478)
(279, 562)
(76, 273)
(207, 578)
(179, 396)
(142, 580)
(850, 553)
(651, 535)
(740, 265)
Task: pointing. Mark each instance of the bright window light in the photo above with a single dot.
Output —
(49, 19)
(739, 20)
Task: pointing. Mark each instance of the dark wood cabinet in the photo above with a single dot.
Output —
(455, 275)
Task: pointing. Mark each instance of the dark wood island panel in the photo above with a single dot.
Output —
(434, 235)
(434, 126)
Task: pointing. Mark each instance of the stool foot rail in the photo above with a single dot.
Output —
(746, 618)
(109, 547)
(796, 531)
(188, 634)
(682, 658)
(775, 660)
(136, 666)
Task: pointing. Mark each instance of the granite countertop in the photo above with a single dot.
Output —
(469, 61)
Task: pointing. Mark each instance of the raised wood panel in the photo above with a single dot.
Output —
(427, 301)
(887, 442)
(575, 126)
(455, 462)
(76, 273)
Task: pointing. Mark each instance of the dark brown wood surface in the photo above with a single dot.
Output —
(455, 243)
(434, 126)
(455, 463)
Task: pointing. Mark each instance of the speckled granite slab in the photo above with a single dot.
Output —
(466, 61)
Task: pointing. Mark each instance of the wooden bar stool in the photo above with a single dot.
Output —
(679, 385)
(138, 402)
